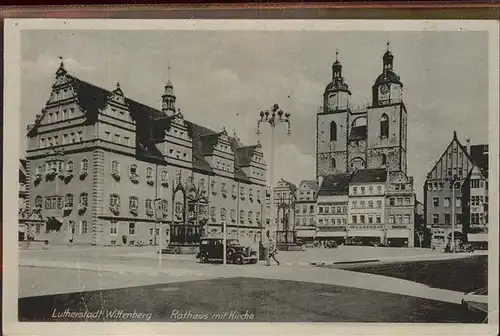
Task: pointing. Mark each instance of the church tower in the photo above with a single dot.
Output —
(332, 125)
(168, 98)
(387, 120)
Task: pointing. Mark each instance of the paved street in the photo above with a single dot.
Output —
(129, 279)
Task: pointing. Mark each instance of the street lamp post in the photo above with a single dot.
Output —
(272, 117)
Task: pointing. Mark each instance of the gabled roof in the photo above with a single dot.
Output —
(244, 155)
(359, 132)
(290, 185)
(337, 184)
(22, 170)
(311, 184)
(369, 175)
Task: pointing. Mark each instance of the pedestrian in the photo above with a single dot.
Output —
(273, 251)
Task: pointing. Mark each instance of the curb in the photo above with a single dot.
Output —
(322, 263)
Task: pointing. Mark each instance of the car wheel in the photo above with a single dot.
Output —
(238, 259)
(204, 258)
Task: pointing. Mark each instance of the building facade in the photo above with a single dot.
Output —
(367, 206)
(456, 193)
(104, 169)
(284, 200)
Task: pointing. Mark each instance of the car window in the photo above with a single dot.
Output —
(205, 242)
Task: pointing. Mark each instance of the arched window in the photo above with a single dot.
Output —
(333, 163)
(333, 131)
(384, 126)
(383, 159)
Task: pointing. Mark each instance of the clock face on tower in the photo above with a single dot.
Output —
(384, 92)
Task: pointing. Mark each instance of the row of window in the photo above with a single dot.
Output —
(383, 162)
(72, 137)
(447, 218)
(117, 139)
(332, 209)
(363, 218)
(114, 229)
(362, 204)
(61, 166)
(60, 115)
(477, 218)
(56, 202)
(447, 202)
(362, 190)
(399, 219)
(439, 186)
(477, 184)
(399, 201)
(478, 200)
(333, 221)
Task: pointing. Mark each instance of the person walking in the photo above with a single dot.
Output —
(273, 251)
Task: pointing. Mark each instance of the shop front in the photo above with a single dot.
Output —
(306, 236)
(398, 237)
(324, 236)
(369, 237)
(478, 240)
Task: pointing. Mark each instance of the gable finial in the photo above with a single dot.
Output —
(388, 45)
(168, 70)
(61, 64)
(454, 134)
(337, 54)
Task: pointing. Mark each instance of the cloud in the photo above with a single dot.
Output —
(46, 64)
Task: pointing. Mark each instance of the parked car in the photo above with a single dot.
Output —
(212, 249)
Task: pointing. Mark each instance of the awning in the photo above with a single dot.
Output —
(477, 237)
(306, 233)
(398, 233)
(365, 233)
(331, 234)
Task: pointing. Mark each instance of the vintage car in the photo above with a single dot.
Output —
(211, 249)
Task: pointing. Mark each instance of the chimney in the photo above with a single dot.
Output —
(468, 145)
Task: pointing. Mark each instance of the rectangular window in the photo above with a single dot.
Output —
(304, 208)
(354, 204)
(327, 209)
(458, 202)
(83, 227)
(157, 231)
(80, 136)
(379, 204)
(73, 137)
(107, 136)
(370, 220)
(38, 228)
(391, 201)
(339, 209)
(362, 204)
(399, 201)
(370, 189)
(362, 219)
(378, 219)
(354, 219)
(126, 141)
(458, 219)
(407, 219)
(311, 209)
(320, 221)
(447, 218)
(447, 201)
(113, 228)
(399, 219)
(42, 142)
(131, 228)
(362, 190)
(150, 231)
(379, 189)
(344, 209)
(391, 219)
(435, 218)
(370, 204)
(354, 190)
(407, 201)
(435, 202)
(117, 138)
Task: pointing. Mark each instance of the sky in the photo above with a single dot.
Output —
(225, 78)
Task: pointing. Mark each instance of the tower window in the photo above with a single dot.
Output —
(333, 131)
(384, 126)
(333, 163)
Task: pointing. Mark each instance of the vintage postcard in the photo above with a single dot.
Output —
(223, 174)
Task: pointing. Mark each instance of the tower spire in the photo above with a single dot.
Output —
(388, 45)
(337, 55)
